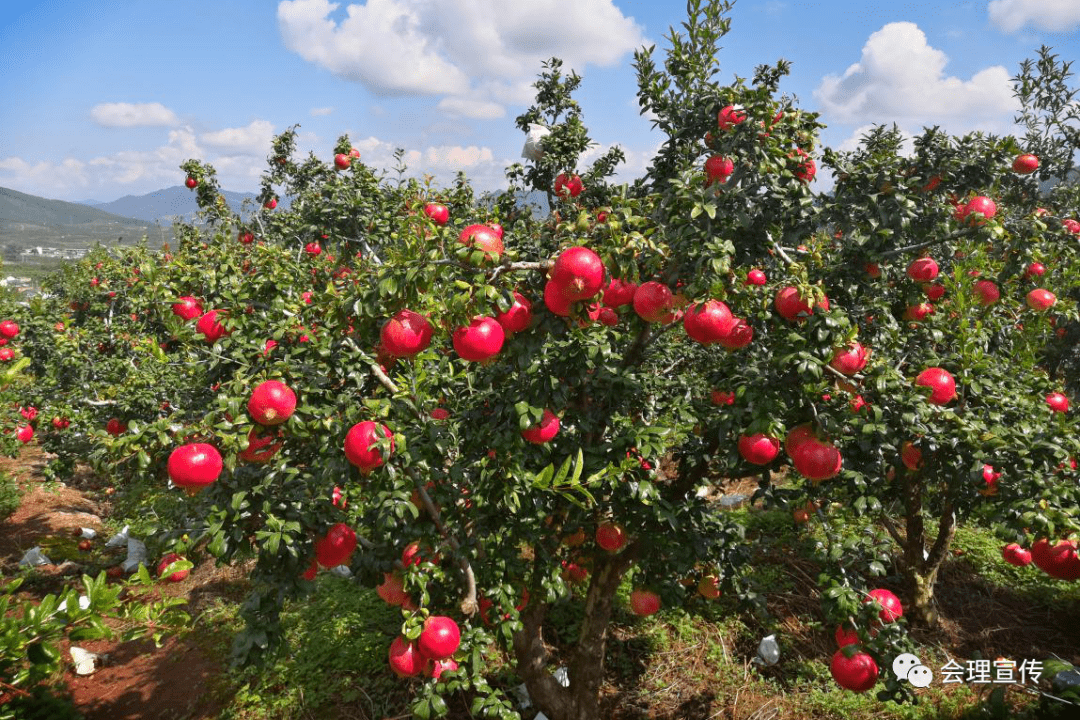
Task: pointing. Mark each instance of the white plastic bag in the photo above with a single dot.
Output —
(119, 539)
(533, 149)
(85, 662)
(136, 555)
(35, 557)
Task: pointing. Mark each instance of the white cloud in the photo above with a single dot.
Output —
(852, 142)
(133, 115)
(317, 112)
(900, 77)
(476, 54)
(1051, 15)
(254, 139)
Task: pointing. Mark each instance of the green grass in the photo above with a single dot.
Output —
(10, 495)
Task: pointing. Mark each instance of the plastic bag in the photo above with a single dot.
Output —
(533, 149)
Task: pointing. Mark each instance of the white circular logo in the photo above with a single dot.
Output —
(920, 676)
(902, 665)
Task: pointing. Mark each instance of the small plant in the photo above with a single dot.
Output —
(10, 495)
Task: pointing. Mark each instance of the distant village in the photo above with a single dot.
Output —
(51, 252)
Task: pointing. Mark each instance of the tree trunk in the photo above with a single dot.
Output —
(920, 568)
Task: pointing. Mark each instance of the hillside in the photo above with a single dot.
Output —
(17, 207)
(167, 204)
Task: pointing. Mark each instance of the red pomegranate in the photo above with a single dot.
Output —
(941, 383)
(610, 536)
(406, 334)
(846, 636)
(194, 465)
(708, 322)
(480, 340)
(209, 326)
(793, 307)
(518, 317)
(1058, 402)
(555, 301)
(392, 589)
(1016, 555)
(730, 116)
(981, 205)
(484, 238)
(568, 186)
(544, 431)
(1040, 299)
(923, 269)
(718, 169)
(188, 307)
(644, 602)
(435, 668)
(891, 609)
(739, 336)
(816, 460)
(986, 292)
(797, 435)
(358, 445)
(578, 272)
(619, 292)
(652, 302)
(858, 673)
(167, 560)
(911, 456)
(438, 213)
(115, 428)
(336, 546)
(25, 433)
(261, 448)
(851, 359)
(758, 449)
(405, 658)
(271, 403)
(440, 637)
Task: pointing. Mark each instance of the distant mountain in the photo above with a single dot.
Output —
(167, 205)
(17, 207)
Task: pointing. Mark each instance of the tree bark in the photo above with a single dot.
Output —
(920, 568)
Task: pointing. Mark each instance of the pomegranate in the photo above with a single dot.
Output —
(392, 589)
(722, 398)
(480, 340)
(644, 602)
(851, 359)
(709, 587)
(568, 186)
(1016, 555)
(941, 383)
(406, 334)
(979, 209)
(312, 570)
(846, 636)
(610, 536)
(544, 431)
(555, 301)
(708, 322)
(1040, 299)
(518, 317)
(1025, 164)
(923, 269)
(358, 445)
(739, 336)
(271, 403)
(934, 291)
(793, 307)
(578, 272)
(194, 465)
(816, 460)
(756, 277)
(435, 668)
(188, 307)
(718, 169)
(25, 433)
(911, 456)
(261, 448)
(405, 658)
(313, 249)
(653, 301)
(439, 638)
(797, 436)
(858, 672)
(986, 292)
(919, 312)
(439, 213)
(730, 116)
(619, 292)
(484, 238)
(1058, 402)
(1034, 269)
(168, 560)
(114, 427)
(336, 546)
(209, 326)
(758, 449)
(891, 609)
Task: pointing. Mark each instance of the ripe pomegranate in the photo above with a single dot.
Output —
(392, 589)
(480, 340)
(1025, 164)
(758, 449)
(709, 587)
(25, 433)
(168, 560)
(793, 307)
(644, 602)
(619, 292)
(756, 277)
(911, 456)
(188, 307)
(405, 658)
(722, 398)
(114, 427)
(986, 292)
(271, 403)
(919, 312)
(483, 237)
(1016, 555)
(209, 326)
(610, 536)
(739, 336)
(518, 317)
(406, 334)
(923, 269)
(730, 116)
(941, 383)
(578, 272)
(195, 465)
(358, 445)
(435, 668)
(1058, 402)
(568, 186)
(708, 322)
(608, 317)
(544, 431)
(979, 209)
(573, 573)
(336, 546)
(439, 213)
(246, 237)
(851, 359)
(718, 169)
(1072, 225)
(191, 183)
(261, 448)
(857, 673)
(555, 301)
(891, 609)
(653, 301)
(313, 249)
(440, 637)
(814, 459)
(1034, 269)
(806, 170)
(1040, 299)
(934, 291)
(60, 423)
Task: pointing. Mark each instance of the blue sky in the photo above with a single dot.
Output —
(101, 100)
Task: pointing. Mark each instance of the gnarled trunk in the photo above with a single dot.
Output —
(920, 568)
